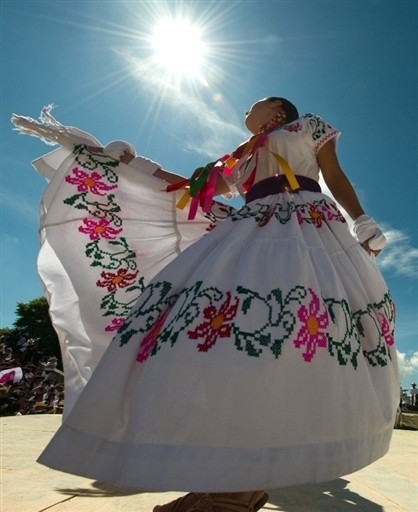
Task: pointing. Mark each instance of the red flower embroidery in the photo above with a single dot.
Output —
(315, 215)
(119, 280)
(99, 229)
(293, 127)
(147, 344)
(333, 213)
(85, 181)
(385, 328)
(210, 227)
(215, 325)
(116, 324)
(309, 334)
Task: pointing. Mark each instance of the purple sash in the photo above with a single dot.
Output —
(278, 184)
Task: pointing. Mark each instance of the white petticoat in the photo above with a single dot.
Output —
(261, 357)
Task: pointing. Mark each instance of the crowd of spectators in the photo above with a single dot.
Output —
(30, 382)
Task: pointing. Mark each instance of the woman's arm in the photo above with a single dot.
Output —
(337, 181)
(343, 191)
(169, 177)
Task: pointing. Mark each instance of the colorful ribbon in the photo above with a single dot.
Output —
(200, 188)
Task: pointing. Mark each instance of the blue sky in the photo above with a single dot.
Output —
(352, 62)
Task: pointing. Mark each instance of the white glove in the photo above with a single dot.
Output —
(365, 228)
(144, 165)
(117, 148)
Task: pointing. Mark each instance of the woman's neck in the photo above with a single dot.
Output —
(274, 124)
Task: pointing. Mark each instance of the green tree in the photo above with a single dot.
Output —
(33, 321)
(9, 335)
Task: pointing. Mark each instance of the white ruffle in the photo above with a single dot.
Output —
(52, 132)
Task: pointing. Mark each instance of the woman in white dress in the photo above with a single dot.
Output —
(263, 355)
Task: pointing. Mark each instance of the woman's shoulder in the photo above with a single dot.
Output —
(316, 126)
(305, 123)
(310, 120)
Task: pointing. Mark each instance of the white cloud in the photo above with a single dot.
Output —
(414, 360)
(399, 255)
(407, 365)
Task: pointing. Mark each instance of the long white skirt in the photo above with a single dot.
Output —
(261, 357)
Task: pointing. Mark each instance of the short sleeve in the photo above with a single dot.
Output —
(320, 131)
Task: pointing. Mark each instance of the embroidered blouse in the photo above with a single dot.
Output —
(297, 142)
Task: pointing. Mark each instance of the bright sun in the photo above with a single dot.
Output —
(178, 48)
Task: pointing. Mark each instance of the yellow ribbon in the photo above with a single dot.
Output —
(184, 199)
(291, 178)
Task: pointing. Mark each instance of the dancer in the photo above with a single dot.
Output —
(263, 355)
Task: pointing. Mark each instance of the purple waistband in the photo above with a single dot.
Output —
(278, 184)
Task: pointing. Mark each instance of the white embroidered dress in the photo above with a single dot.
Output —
(261, 357)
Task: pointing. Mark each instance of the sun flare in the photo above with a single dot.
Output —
(178, 48)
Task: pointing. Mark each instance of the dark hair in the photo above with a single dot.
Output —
(291, 111)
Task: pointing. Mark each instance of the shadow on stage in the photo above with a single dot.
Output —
(333, 496)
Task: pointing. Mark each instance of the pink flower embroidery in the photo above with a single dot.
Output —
(147, 344)
(112, 281)
(98, 229)
(115, 325)
(333, 213)
(309, 334)
(85, 181)
(216, 325)
(385, 328)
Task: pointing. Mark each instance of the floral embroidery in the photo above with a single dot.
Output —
(89, 182)
(267, 217)
(115, 325)
(374, 334)
(96, 181)
(94, 175)
(317, 126)
(293, 127)
(216, 324)
(331, 212)
(312, 213)
(314, 217)
(100, 229)
(344, 341)
(150, 339)
(258, 325)
(121, 279)
(313, 321)
(386, 330)
(321, 132)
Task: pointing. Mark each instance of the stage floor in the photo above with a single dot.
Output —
(388, 485)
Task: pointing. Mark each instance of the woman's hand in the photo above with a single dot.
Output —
(369, 234)
(372, 252)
